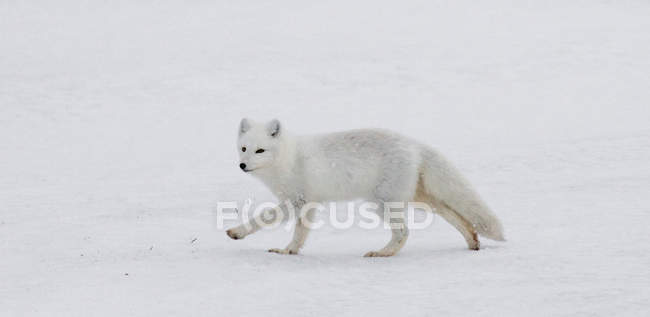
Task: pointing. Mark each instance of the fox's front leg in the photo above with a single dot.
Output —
(303, 225)
(264, 219)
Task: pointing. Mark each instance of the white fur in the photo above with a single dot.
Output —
(373, 165)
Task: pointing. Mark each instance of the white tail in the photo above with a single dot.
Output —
(444, 183)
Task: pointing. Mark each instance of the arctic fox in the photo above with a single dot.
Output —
(374, 165)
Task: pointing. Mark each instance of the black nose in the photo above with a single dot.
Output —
(242, 166)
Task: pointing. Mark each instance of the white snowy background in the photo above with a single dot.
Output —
(117, 138)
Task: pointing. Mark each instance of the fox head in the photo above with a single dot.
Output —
(259, 144)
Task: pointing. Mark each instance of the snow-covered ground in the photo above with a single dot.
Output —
(117, 138)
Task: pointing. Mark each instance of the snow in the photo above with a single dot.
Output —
(117, 138)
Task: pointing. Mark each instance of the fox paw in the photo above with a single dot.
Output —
(380, 253)
(234, 234)
(283, 251)
(474, 244)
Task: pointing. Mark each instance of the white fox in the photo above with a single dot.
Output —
(374, 165)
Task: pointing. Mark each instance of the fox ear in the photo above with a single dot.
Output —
(244, 126)
(274, 128)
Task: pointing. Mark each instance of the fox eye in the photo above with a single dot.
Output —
(259, 151)
(243, 149)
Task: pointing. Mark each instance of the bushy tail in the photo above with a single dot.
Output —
(442, 181)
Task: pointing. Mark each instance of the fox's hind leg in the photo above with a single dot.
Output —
(398, 185)
(462, 225)
(399, 232)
